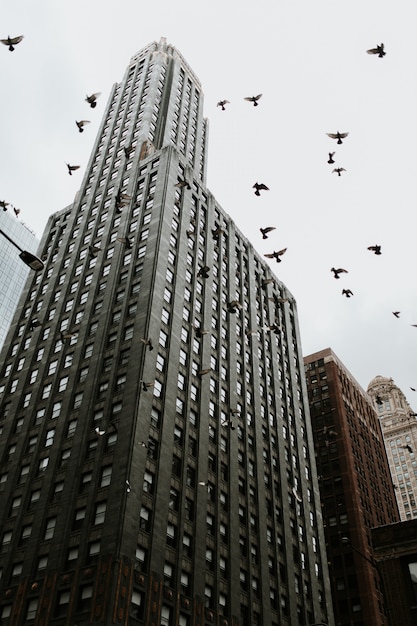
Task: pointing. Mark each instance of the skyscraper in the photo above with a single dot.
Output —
(13, 271)
(399, 428)
(355, 485)
(157, 464)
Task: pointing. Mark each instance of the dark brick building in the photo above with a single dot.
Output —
(156, 457)
(355, 485)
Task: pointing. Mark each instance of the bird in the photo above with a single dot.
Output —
(147, 342)
(338, 271)
(72, 168)
(93, 250)
(339, 170)
(146, 386)
(258, 187)
(331, 155)
(16, 211)
(375, 249)
(128, 487)
(338, 136)
(199, 332)
(347, 293)
(125, 240)
(4, 204)
(35, 323)
(203, 272)
(92, 100)
(203, 372)
(407, 447)
(216, 232)
(122, 199)
(233, 306)
(99, 432)
(396, 313)
(378, 400)
(266, 230)
(63, 336)
(11, 41)
(277, 300)
(81, 124)
(276, 254)
(183, 183)
(379, 50)
(228, 423)
(128, 150)
(412, 388)
(253, 99)
(222, 104)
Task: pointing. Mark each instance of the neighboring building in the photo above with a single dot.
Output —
(399, 428)
(13, 272)
(157, 461)
(395, 553)
(355, 485)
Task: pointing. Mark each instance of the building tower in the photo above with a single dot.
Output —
(399, 428)
(14, 236)
(355, 485)
(157, 464)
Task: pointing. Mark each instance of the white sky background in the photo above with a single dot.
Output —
(309, 61)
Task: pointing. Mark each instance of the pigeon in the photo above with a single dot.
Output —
(183, 183)
(339, 170)
(199, 332)
(338, 271)
(147, 342)
(347, 293)
(254, 99)
(128, 150)
(203, 372)
(233, 306)
(92, 100)
(266, 230)
(407, 447)
(4, 204)
(81, 124)
(12, 41)
(379, 50)
(331, 155)
(258, 187)
(276, 254)
(146, 386)
(375, 249)
(222, 104)
(128, 243)
(216, 232)
(203, 272)
(396, 313)
(72, 168)
(338, 136)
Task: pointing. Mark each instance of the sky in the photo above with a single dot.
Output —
(309, 62)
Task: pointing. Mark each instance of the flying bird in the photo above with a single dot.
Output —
(222, 104)
(379, 50)
(331, 155)
(81, 124)
(11, 41)
(147, 342)
(92, 100)
(146, 386)
(407, 447)
(347, 293)
(254, 99)
(128, 243)
(258, 187)
(72, 168)
(338, 136)
(203, 372)
(199, 332)
(396, 313)
(16, 211)
(339, 170)
(276, 254)
(183, 183)
(338, 271)
(412, 388)
(4, 205)
(203, 272)
(375, 249)
(128, 150)
(266, 230)
(216, 232)
(233, 306)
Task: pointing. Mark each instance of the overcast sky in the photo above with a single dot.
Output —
(309, 61)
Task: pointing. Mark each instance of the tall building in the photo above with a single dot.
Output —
(355, 485)
(13, 271)
(157, 464)
(399, 428)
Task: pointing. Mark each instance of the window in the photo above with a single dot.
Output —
(100, 513)
(50, 527)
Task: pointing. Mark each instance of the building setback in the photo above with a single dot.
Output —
(399, 428)
(355, 485)
(157, 464)
(13, 271)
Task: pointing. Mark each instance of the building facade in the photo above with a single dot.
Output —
(13, 271)
(355, 484)
(157, 464)
(399, 428)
